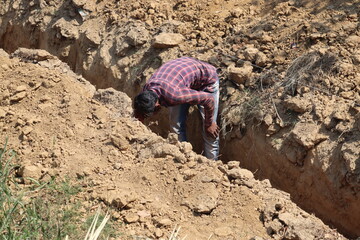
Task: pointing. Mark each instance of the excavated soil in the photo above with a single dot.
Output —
(290, 103)
(61, 126)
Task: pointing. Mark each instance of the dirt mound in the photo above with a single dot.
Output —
(56, 121)
(289, 86)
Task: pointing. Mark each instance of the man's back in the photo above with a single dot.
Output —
(186, 72)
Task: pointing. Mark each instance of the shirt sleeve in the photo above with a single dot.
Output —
(176, 96)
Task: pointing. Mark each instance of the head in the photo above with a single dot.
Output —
(146, 104)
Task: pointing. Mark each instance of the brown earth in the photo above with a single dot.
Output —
(290, 111)
(62, 127)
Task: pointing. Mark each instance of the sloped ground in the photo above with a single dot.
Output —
(61, 126)
(290, 88)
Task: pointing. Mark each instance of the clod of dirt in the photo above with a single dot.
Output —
(166, 40)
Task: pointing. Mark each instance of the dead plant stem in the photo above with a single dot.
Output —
(276, 111)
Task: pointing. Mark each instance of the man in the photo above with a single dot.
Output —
(178, 84)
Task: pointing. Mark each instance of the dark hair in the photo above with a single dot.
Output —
(144, 103)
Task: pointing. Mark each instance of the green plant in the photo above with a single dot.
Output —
(8, 203)
(43, 210)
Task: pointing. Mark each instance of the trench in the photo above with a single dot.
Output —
(98, 63)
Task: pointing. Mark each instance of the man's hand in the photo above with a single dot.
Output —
(213, 130)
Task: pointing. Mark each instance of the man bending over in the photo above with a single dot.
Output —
(178, 84)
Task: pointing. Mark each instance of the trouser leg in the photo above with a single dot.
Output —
(211, 145)
(177, 118)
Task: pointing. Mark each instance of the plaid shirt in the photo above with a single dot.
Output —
(185, 80)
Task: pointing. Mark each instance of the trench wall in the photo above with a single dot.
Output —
(313, 188)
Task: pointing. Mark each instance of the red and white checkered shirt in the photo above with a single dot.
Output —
(185, 80)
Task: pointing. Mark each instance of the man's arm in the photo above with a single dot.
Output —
(176, 96)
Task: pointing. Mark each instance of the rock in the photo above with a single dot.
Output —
(119, 198)
(233, 164)
(45, 98)
(131, 217)
(240, 75)
(189, 173)
(186, 147)
(30, 172)
(80, 174)
(5, 67)
(66, 29)
(192, 163)
(279, 57)
(300, 227)
(172, 138)
(120, 142)
(117, 166)
(163, 222)
(201, 159)
(250, 54)
(266, 183)
(26, 130)
(240, 173)
(261, 59)
(33, 54)
(87, 171)
(18, 97)
(93, 37)
(298, 104)
(316, 36)
(273, 227)
(230, 90)
(166, 40)
(353, 40)
(205, 204)
(123, 199)
(158, 233)
(237, 12)
(223, 231)
(79, 3)
(166, 149)
(2, 113)
(356, 58)
(202, 199)
(346, 68)
(20, 122)
(21, 88)
(138, 36)
(265, 38)
(268, 120)
(350, 151)
(120, 101)
(143, 214)
(307, 134)
(121, 47)
(347, 94)
(242, 177)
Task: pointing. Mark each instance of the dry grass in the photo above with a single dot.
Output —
(93, 233)
(310, 70)
(239, 112)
